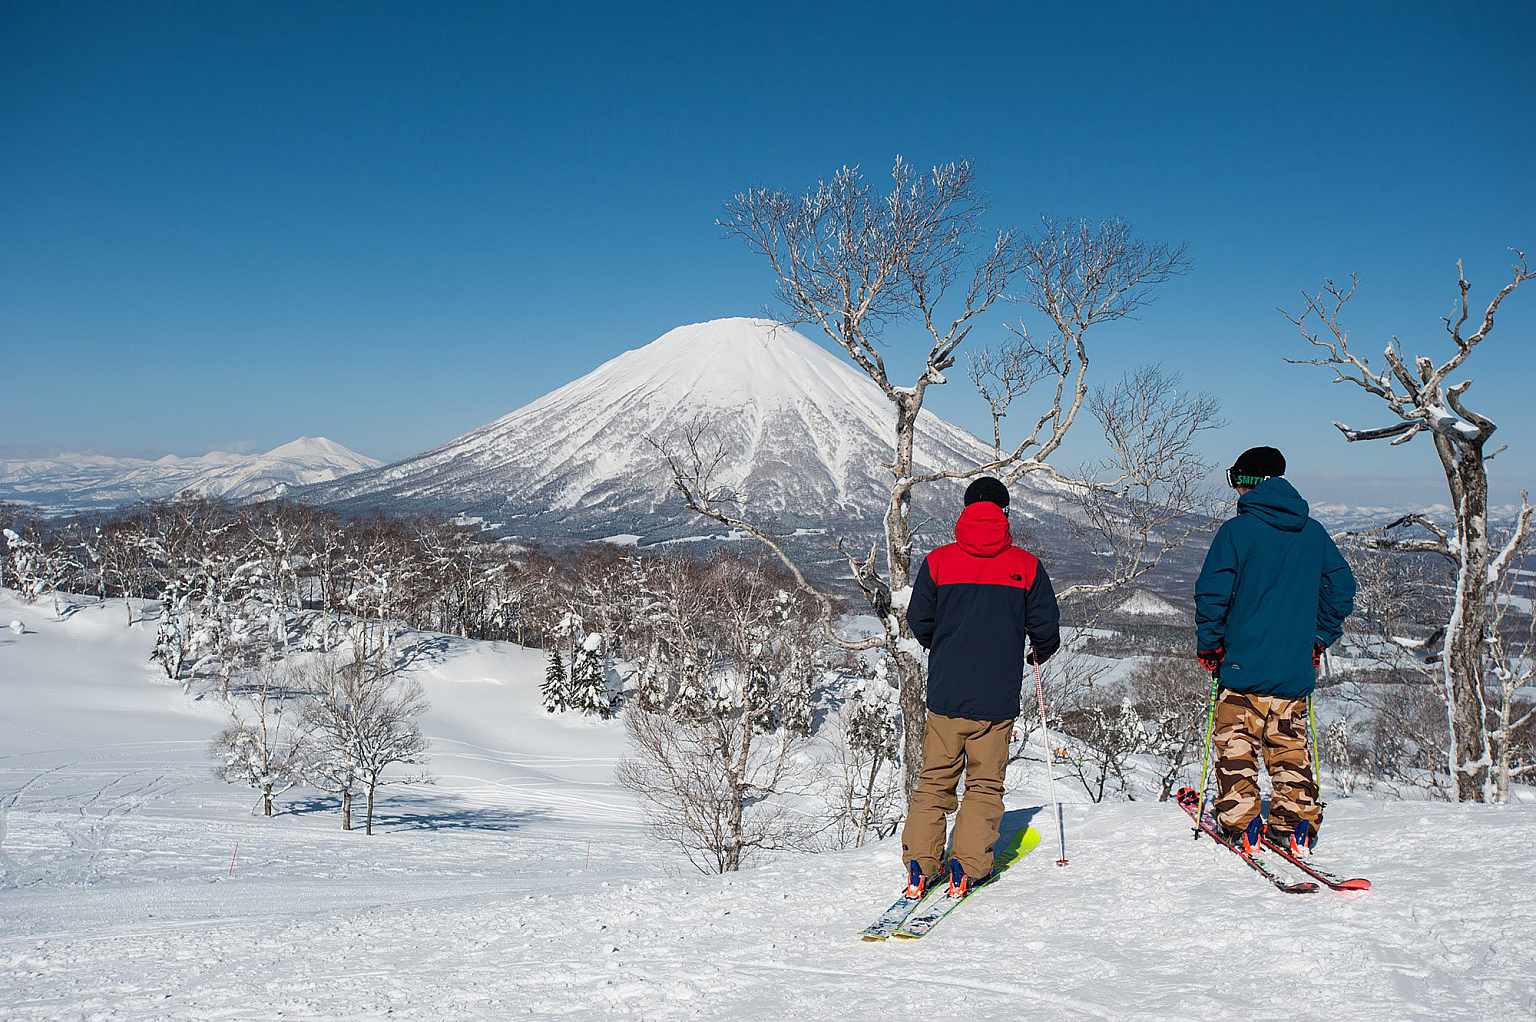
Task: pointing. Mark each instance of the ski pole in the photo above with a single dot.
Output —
(1317, 764)
(1205, 755)
(1050, 772)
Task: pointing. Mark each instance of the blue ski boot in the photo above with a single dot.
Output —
(1249, 840)
(959, 882)
(917, 883)
(1300, 841)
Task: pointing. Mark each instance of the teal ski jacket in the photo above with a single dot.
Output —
(1274, 586)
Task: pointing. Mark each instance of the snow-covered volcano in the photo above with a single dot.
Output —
(806, 440)
(806, 437)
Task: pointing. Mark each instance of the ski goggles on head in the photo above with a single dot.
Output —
(1236, 479)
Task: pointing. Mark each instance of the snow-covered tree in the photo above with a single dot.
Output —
(866, 797)
(1421, 396)
(25, 565)
(1170, 695)
(263, 745)
(589, 692)
(127, 551)
(1512, 659)
(556, 690)
(855, 262)
(364, 720)
(1107, 734)
(39, 564)
(715, 775)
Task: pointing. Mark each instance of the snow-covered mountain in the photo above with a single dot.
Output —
(805, 438)
(91, 481)
(1142, 603)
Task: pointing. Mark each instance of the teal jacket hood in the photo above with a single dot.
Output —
(1276, 503)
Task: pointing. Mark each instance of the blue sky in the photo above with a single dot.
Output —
(230, 226)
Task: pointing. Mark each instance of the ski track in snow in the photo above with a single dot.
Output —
(522, 885)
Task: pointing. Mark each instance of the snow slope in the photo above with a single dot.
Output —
(522, 886)
(79, 481)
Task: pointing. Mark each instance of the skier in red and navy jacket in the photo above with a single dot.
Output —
(973, 605)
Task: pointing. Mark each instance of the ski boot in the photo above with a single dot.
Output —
(1249, 840)
(917, 883)
(1299, 841)
(960, 882)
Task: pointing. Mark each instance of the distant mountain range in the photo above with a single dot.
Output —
(80, 482)
(1348, 517)
(804, 439)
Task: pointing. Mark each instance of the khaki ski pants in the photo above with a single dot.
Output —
(953, 746)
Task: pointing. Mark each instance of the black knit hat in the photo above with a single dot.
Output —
(1255, 465)
(987, 488)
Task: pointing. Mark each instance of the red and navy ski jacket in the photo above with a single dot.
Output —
(973, 605)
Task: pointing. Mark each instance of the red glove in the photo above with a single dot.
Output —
(1317, 655)
(1210, 659)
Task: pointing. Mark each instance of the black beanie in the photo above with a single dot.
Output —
(987, 488)
(1255, 465)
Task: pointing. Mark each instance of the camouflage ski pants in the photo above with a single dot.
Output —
(1246, 724)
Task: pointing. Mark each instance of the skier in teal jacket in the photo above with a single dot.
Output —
(1273, 595)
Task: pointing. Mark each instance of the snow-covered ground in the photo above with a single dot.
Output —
(523, 885)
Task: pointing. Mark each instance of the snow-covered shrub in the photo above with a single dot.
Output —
(865, 798)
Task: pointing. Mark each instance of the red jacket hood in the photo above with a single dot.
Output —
(983, 530)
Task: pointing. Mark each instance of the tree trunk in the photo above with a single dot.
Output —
(1501, 781)
(898, 551)
(346, 809)
(914, 717)
(869, 795)
(266, 800)
(373, 783)
(1464, 642)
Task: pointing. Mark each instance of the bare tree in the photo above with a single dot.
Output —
(1512, 656)
(331, 763)
(1108, 734)
(1141, 501)
(365, 719)
(853, 262)
(715, 772)
(1170, 696)
(263, 746)
(1424, 398)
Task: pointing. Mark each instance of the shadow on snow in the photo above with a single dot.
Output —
(413, 812)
